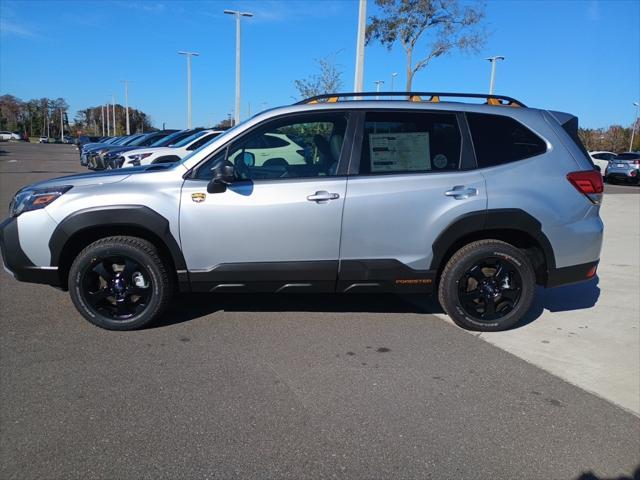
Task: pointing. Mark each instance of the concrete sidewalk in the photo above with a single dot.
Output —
(588, 334)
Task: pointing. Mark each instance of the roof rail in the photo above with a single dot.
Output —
(433, 97)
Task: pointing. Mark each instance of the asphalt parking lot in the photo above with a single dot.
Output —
(282, 387)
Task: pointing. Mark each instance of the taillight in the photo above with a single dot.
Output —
(589, 183)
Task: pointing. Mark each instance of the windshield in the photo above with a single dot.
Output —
(189, 139)
(170, 139)
(128, 140)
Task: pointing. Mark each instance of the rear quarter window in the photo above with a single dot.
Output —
(498, 140)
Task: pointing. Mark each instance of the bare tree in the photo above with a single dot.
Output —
(447, 24)
(329, 80)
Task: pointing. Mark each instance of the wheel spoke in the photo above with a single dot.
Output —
(103, 271)
(476, 274)
(510, 294)
(470, 296)
(489, 308)
(96, 297)
(129, 267)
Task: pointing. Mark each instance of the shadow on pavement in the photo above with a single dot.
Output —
(563, 299)
(190, 306)
(593, 476)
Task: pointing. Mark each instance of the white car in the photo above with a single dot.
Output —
(6, 136)
(601, 159)
(276, 148)
(43, 139)
(146, 156)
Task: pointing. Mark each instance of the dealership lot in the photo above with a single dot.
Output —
(311, 386)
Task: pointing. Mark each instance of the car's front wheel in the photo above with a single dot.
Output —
(120, 283)
(487, 285)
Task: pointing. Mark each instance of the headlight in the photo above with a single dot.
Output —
(139, 156)
(34, 199)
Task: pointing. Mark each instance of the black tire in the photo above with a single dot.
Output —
(487, 285)
(120, 283)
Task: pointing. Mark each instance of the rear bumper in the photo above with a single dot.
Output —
(16, 261)
(573, 274)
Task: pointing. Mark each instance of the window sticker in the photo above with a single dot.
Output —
(440, 161)
(393, 152)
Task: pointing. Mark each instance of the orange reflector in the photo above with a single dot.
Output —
(44, 199)
(592, 271)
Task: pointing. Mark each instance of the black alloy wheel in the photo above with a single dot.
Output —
(120, 283)
(117, 287)
(490, 289)
(487, 285)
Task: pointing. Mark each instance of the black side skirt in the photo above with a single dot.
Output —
(325, 276)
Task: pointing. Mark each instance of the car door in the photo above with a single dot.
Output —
(277, 226)
(409, 180)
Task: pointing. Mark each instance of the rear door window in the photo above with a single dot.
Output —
(410, 142)
(498, 140)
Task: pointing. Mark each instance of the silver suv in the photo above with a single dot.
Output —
(478, 202)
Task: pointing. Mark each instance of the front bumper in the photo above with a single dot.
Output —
(16, 261)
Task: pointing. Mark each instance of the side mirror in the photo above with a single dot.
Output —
(223, 176)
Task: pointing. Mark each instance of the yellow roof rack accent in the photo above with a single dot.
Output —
(434, 97)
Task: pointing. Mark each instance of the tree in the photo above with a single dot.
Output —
(448, 26)
(329, 80)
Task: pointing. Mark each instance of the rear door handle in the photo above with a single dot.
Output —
(323, 197)
(460, 192)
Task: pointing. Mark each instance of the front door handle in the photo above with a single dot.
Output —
(460, 192)
(323, 197)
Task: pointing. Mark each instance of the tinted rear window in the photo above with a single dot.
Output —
(628, 156)
(498, 140)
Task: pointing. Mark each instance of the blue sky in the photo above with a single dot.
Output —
(577, 56)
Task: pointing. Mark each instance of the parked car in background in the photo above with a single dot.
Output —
(68, 139)
(107, 156)
(601, 159)
(6, 135)
(624, 168)
(86, 149)
(93, 150)
(86, 139)
(43, 139)
(179, 150)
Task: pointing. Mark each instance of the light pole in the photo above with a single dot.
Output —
(393, 77)
(633, 127)
(189, 55)
(108, 122)
(61, 127)
(126, 103)
(237, 14)
(362, 19)
(378, 83)
(113, 110)
(102, 118)
(493, 61)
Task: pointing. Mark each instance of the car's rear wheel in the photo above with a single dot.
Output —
(487, 285)
(120, 283)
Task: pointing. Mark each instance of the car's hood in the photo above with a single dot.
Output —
(97, 178)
